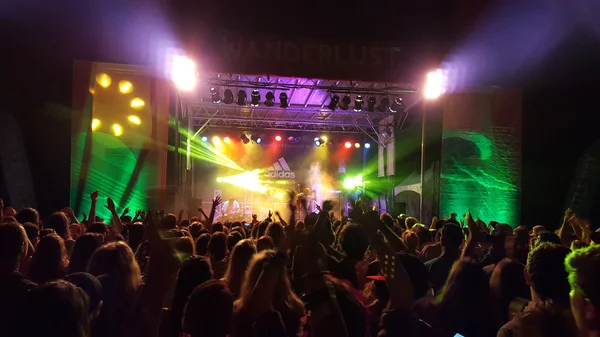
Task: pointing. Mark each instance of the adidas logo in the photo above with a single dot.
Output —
(280, 169)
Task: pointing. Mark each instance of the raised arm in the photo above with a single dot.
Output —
(94, 199)
(117, 226)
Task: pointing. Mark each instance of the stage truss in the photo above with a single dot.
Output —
(308, 101)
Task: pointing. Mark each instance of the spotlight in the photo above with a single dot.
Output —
(290, 139)
(319, 141)
(256, 139)
(357, 145)
(184, 73)
(216, 140)
(255, 98)
(435, 85)
(227, 140)
(383, 105)
(283, 100)
(371, 104)
(335, 99)
(133, 119)
(269, 98)
(345, 102)
(242, 98)
(214, 94)
(278, 138)
(347, 145)
(95, 124)
(397, 105)
(228, 96)
(358, 103)
(137, 103)
(204, 139)
(125, 87)
(103, 80)
(117, 129)
(367, 145)
(324, 138)
(245, 138)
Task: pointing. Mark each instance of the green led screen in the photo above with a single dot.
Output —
(481, 156)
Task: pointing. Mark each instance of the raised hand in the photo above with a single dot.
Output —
(270, 214)
(94, 195)
(110, 204)
(126, 211)
(217, 201)
(569, 215)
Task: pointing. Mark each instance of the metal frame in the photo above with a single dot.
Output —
(307, 110)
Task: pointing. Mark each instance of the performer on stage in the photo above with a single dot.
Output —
(230, 207)
(308, 198)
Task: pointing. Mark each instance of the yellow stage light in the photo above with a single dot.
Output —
(227, 140)
(137, 103)
(216, 139)
(125, 87)
(133, 119)
(95, 124)
(103, 80)
(117, 130)
(357, 145)
(324, 138)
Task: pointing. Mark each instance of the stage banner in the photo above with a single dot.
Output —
(117, 131)
(481, 155)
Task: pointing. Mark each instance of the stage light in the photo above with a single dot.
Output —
(324, 138)
(245, 138)
(96, 124)
(353, 182)
(335, 99)
(358, 103)
(383, 105)
(117, 130)
(345, 102)
(256, 139)
(397, 105)
(255, 98)
(357, 145)
(269, 99)
(214, 95)
(204, 139)
(319, 141)
(386, 133)
(137, 103)
(184, 73)
(125, 87)
(290, 139)
(219, 179)
(347, 145)
(103, 80)
(434, 85)
(228, 96)
(133, 119)
(371, 104)
(216, 140)
(367, 145)
(283, 100)
(278, 138)
(242, 98)
(298, 139)
(227, 140)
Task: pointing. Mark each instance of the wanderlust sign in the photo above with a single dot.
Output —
(305, 58)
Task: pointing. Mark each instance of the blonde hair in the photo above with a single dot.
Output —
(116, 259)
(284, 299)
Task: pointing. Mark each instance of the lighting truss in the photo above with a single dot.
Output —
(307, 110)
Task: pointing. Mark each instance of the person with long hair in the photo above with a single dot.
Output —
(238, 264)
(84, 247)
(50, 260)
(285, 300)
(464, 305)
(583, 266)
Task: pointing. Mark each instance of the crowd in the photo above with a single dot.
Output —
(158, 274)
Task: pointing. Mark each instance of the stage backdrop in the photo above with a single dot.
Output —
(481, 155)
(126, 162)
(283, 165)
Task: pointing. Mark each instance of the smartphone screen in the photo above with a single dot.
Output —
(247, 225)
(458, 335)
